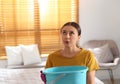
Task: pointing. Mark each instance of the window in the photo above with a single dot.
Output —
(35, 22)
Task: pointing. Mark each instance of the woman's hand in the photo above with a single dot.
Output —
(42, 75)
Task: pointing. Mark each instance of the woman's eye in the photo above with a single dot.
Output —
(71, 32)
(64, 32)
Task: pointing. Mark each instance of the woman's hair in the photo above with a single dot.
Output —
(73, 24)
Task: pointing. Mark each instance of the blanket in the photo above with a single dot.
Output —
(20, 76)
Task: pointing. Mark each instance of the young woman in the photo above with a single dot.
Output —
(71, 54)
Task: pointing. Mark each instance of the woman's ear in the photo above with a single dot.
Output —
(79, 37)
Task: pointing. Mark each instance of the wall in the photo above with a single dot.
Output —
(100, 19)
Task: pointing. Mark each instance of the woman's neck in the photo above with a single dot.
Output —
(70, 52)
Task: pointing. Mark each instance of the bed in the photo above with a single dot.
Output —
(22, 65)
(20, 76)
(23, 74)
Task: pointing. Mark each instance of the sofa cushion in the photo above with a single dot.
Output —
(103, 54)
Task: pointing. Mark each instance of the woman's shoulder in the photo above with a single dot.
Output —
(87, 52)
(55, 53)
(84, 50)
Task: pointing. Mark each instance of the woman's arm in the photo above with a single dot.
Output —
(91, 77)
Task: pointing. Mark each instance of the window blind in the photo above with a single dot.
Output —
(35, 22)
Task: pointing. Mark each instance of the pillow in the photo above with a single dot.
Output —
(30, 54)
(103, 54)
(14, 55)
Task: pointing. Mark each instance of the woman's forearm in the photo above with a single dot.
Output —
(91, 77)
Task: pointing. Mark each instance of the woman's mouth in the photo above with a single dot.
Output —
(66, 42)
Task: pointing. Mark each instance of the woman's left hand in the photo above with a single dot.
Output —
(43, 77)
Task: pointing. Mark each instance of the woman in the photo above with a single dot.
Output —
(71, 54)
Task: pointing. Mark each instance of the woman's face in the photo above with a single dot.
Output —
(69, 36)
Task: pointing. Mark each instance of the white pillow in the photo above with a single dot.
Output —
(14, 55)
(103, 54)
(30, 54)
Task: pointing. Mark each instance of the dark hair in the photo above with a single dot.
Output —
(75, 25)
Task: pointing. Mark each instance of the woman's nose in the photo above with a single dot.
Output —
(67, 35)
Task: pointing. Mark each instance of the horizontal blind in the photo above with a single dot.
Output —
(54, 13)
(16, 24)
(35, 22)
